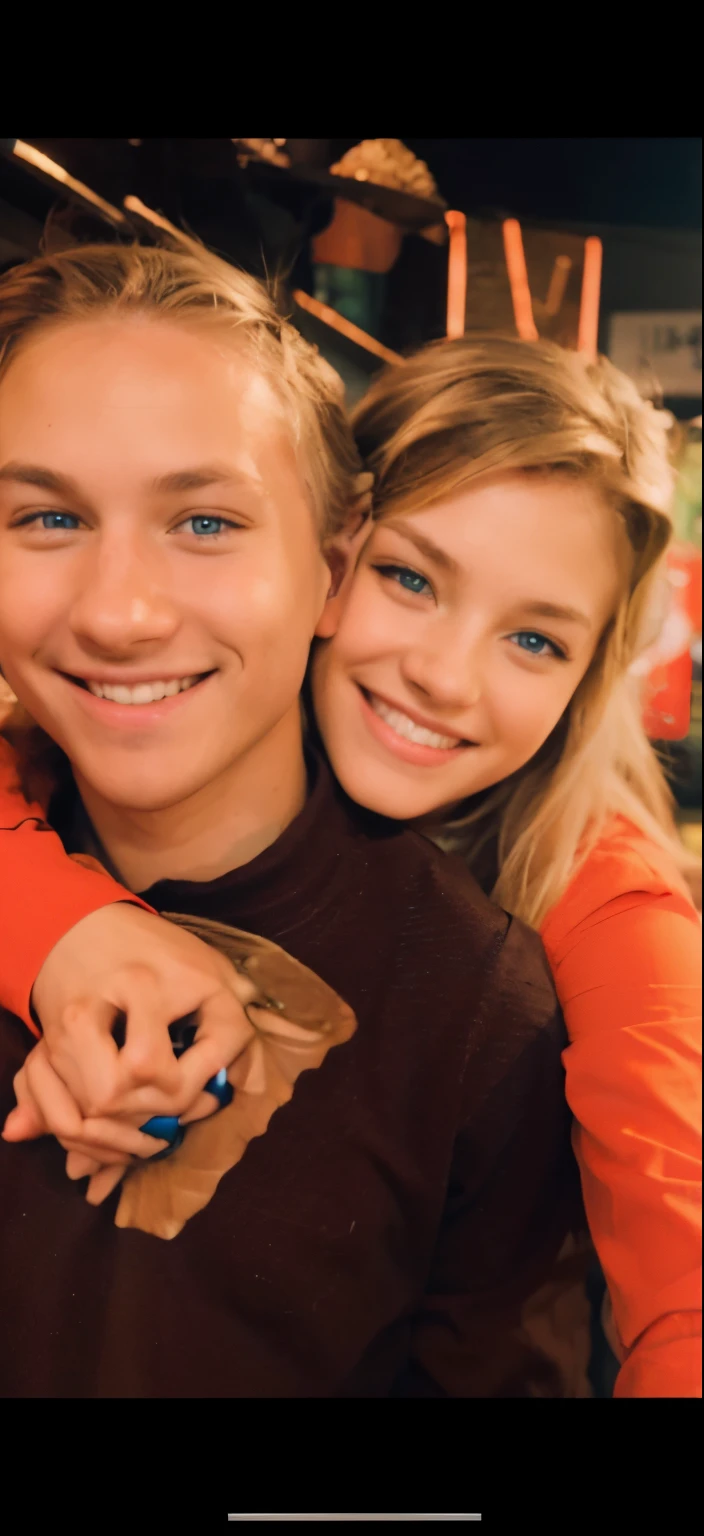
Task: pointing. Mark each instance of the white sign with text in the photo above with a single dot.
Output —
(664, 344)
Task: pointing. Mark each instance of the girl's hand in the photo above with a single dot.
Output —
(122, 965)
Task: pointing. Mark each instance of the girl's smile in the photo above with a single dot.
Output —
(467, 628)
(404, 733)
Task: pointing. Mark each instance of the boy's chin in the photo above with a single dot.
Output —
(136, 792)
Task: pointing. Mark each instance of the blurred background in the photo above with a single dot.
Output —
(375, 246)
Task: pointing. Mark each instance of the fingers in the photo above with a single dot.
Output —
(102, 1078)
(223, 1032)
(24, 1123)
(84, 1054)
(205, 1105)
(147, 1058)
(102, 1184)
(79, 1166)
(112, 1140)
(94, 1098)
(41, 1086)
(101, 1137)
(100, 1155)
(144, 1077)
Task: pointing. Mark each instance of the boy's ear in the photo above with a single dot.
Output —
(342, 554)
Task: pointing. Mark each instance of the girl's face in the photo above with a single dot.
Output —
(467, 628)
(161, 576)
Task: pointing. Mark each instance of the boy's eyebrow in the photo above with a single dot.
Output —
(34, 474)
(194, 479)
(202, 475)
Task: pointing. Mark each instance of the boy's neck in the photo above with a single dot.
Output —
(223, 826)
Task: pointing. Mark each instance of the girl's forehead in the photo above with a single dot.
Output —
(514, 532)
(481, 510)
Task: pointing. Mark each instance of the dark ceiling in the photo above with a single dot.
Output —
(648, 182)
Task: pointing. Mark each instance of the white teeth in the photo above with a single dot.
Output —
(148, 693)
(142, 693)
(407, 728)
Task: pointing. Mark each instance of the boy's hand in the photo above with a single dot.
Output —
(123, 961)
(45, 1106)
(100, 1150)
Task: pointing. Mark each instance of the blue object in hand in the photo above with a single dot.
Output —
(167, 1127)
(164, 1128)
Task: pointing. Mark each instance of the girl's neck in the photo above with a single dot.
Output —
(222, 826)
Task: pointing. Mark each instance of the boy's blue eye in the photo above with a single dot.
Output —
(203, 525)
(65, 521)
(410, 580)
(535, 644)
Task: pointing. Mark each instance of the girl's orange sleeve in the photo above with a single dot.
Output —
(43, 892)
(624, 944)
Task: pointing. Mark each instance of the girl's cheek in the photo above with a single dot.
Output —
(522, 712)
(364, 627)
(376, 625)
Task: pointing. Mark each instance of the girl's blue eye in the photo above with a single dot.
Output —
(410, 580)
(535, 644)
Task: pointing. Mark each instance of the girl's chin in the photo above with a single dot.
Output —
(392, 796)
(396, 802)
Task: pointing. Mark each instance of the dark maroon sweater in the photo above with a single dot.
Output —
(384, 1234)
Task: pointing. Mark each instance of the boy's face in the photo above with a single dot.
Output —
(154, 531)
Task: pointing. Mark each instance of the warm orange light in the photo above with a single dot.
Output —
(345, 327)
(456, 273)
(41, 162)
(518, 278)
(557, 286)
(588, 336)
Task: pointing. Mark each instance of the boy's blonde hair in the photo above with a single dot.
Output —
(464, 408)
(190, 285)
(186, 285)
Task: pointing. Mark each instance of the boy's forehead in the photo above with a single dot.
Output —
(196, 392)
(182, 357)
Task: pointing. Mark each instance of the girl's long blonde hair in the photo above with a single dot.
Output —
(458, 410)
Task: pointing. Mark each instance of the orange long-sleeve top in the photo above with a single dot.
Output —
(624, 944)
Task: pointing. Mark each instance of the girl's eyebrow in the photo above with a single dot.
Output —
(556, 611)
(425, 545)
(540, 609)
